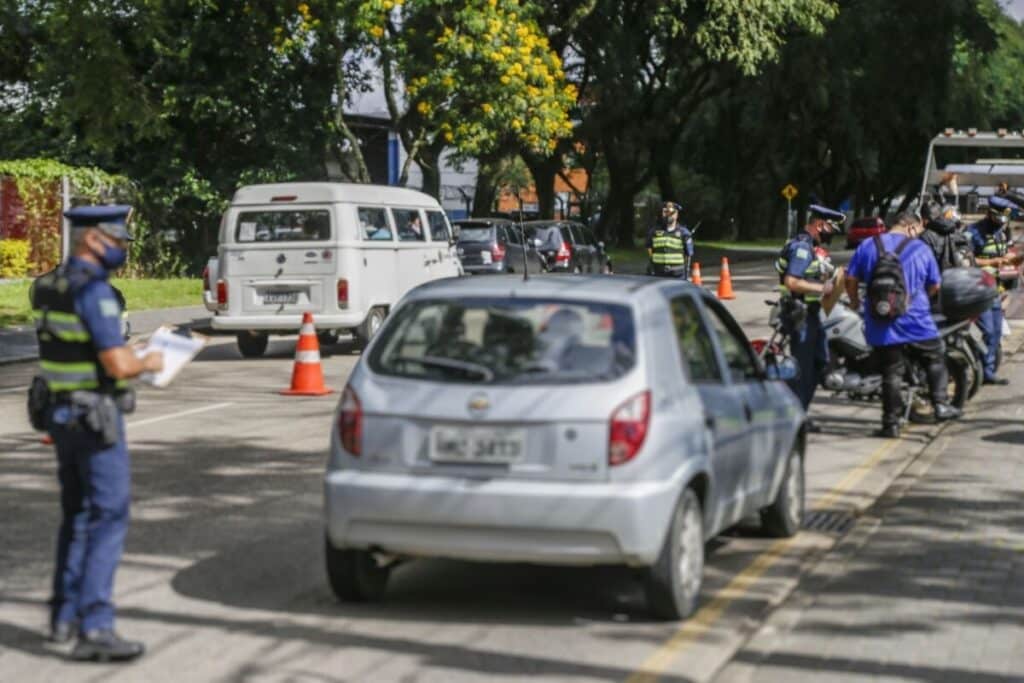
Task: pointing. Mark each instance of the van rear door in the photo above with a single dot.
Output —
(283, 259)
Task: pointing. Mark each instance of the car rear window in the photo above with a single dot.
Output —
(311, 225)
(502, 341)
(475, 233)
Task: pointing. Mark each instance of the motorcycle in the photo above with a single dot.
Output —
(853, 370)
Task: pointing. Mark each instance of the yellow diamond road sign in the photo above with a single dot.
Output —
(789, 192)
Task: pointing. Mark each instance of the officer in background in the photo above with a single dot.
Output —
(991, 244)
(79, 399)
(669, 245)
(802, 270)
(950, 247)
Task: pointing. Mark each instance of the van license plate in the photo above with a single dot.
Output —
(496, 446)
(281, 298)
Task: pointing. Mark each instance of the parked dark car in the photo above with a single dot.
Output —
(864, 229)
(567, 246)
(493, 245)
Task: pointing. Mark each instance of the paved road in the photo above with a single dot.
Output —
(223, 569)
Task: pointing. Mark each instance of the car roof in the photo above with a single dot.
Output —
(488, 221)
(549, 223)
(610, 288)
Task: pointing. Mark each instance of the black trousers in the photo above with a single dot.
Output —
(931, 354)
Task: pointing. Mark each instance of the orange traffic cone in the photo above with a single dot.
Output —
(307, 375)
(695, 276)
(725, 281)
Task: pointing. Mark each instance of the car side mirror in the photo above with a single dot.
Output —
(784, 369)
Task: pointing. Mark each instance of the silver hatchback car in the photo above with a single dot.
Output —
(580, 420)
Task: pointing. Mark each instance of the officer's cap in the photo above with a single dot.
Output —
(834, 218)
(672, 205)
(112, 219)
(1000, 204)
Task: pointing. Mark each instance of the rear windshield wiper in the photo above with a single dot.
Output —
(449, 363)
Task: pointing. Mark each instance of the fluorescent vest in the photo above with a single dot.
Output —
(668, 249)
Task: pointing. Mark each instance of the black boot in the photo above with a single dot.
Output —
(62, 632)
(944, 411)
(889, 431)
(105, 646)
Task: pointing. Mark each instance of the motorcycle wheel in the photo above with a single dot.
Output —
(959, 383)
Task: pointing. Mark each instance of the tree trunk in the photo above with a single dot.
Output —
(486, 192)
(544, 171)
(429, 160)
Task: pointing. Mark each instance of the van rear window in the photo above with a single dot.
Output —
(313, 225)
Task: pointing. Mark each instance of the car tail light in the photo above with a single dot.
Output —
(206, 278)
(628, 428)
(497, 252)
(350, 422)
(222, 293)
(564, 252)
(342, 293)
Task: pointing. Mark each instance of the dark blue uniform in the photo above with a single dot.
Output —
(808, 344)
(988, 240)
(95, 479)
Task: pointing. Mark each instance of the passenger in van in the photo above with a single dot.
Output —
(413, 230)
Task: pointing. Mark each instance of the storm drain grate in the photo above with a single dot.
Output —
(828, 521)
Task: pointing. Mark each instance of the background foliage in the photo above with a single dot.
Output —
(713, 103)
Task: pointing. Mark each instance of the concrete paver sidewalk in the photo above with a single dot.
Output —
(930, 587)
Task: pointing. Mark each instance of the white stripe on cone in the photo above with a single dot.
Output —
(307, 356)
(307, 328)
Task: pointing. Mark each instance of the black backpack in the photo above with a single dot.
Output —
(887, 290)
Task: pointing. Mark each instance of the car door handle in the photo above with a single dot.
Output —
(747, 412)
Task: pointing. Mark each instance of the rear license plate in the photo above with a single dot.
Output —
(281, 297)
(485, 256)
(477, 445)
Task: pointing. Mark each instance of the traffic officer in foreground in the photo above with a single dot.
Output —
(802, 278)
(991, 244)
(669, 245)
(79, 399)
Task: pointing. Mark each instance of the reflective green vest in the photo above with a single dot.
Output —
(668, 248)
(995, 247)
(66, 355)
(813, 272)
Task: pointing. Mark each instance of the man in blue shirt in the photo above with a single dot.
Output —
(84, 363)
(914, 333)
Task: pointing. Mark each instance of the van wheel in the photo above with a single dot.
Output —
(673, 584)
(786, 513)
(251, 344)
(355, 575)
(327, 337)
(370, 326)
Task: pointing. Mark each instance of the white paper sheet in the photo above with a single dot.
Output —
(178, 351)
(246, 232)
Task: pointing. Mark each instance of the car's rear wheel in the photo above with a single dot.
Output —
(327, 337)
(355, 575)
(673, 583)
(786, 513)
(251, 344)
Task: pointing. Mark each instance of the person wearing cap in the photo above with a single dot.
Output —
(989, 240)
(943, 237)
(669, 245)
(803, 270)
(84, 365)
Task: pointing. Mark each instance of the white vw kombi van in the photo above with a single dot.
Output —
(344, 252)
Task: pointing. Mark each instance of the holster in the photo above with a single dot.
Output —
(101, 414)
(38, 403)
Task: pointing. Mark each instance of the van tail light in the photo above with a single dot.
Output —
(222, 293)
(564, 252)
(497, 252)
(350, 422)
(628, 428)
(206, 278)
(342, 293)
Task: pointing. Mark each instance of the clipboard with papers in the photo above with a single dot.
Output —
(178, 349)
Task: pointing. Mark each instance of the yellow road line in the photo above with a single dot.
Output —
(659, 661)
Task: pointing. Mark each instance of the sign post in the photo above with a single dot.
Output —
(789, 192)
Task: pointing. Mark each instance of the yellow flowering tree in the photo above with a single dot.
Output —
(469, 75)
